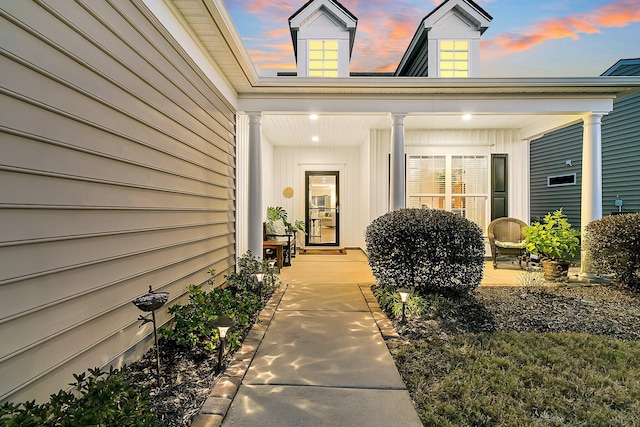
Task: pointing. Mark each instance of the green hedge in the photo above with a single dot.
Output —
(426, 249)
(614, 244)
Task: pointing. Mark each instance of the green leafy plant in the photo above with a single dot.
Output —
(614, 246)
(193, 322)
(416, 305)
(244, 276)
(97, 399)
(553, 239)
(275, 213)
(428, 250)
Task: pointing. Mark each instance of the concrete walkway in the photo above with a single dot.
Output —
(317, 356)
(323, 361)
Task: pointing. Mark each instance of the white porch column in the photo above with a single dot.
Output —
(591, 203)
(398, 176)
(255, 184)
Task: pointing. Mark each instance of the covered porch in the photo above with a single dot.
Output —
(371, 130)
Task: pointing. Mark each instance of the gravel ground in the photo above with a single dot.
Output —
(597, 309)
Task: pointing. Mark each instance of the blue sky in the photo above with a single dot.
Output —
(527, 38)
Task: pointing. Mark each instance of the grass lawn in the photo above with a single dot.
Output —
(500, 373)
(523, 379)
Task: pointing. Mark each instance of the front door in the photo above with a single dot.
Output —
(322, 207)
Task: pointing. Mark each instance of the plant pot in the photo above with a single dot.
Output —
(555, 271)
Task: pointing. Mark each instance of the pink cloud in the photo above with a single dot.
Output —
(618, 13)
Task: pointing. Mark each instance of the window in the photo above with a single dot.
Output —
(323, 58)
(458, 184)
(561, 180)
(454, 58)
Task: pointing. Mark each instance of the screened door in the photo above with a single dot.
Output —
(322, 208)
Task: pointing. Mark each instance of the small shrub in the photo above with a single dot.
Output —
(193, 322)
(97, 399)
(614, 244)
(416, 305)
(244, 277)
(531, 278)
(426, 249)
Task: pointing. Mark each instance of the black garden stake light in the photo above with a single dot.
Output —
(259, 275)
(223, 323)
(151, 302)
(404, 295)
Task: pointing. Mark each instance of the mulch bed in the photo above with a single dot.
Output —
(187, 377)
(599, 310)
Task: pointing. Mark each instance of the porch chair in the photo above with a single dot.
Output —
(506, 238)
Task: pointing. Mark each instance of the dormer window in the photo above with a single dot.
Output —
(454, 58)
(323, 58)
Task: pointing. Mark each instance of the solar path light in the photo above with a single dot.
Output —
(223, 323)
(259, 275)
(404, 295)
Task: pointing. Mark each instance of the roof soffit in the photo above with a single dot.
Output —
(211, 26)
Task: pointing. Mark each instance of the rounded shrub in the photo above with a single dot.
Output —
(431, 250)
(614, 245)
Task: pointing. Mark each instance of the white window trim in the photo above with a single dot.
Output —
(469, 65)
(449, 152)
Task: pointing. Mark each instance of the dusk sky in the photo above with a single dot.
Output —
(526, 38)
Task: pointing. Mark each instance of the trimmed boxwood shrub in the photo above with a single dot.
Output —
(614, 243)
(427, 249)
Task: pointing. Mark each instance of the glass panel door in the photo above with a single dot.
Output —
(322, 208)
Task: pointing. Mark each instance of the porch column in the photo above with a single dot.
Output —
(255, 184)
(397, 187)
(591, 203)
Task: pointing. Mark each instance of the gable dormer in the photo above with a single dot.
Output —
(323, 32)
(447, 42)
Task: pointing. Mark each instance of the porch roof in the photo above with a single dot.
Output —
(533, 105)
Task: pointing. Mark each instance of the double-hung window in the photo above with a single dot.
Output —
(454, 183)
(323, 58)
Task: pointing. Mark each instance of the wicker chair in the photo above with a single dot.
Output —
(506, 238)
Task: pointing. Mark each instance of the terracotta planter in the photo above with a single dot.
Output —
(555, 271)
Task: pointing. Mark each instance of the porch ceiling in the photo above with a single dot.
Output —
(351, 130)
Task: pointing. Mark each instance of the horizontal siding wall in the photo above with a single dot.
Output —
(117, 163)
(621, 156)
(548, 158)
(620, 164)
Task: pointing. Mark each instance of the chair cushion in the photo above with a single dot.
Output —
(276, 227)
(510, 245)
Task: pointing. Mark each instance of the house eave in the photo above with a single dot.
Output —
(383, 85)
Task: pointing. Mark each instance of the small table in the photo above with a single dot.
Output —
(278, 246)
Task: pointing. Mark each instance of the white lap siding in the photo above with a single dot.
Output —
(117, 171)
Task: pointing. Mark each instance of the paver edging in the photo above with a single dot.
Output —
(382, 320)
(216, 406)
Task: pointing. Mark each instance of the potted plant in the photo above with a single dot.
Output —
(555, 243)
(275, 213)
